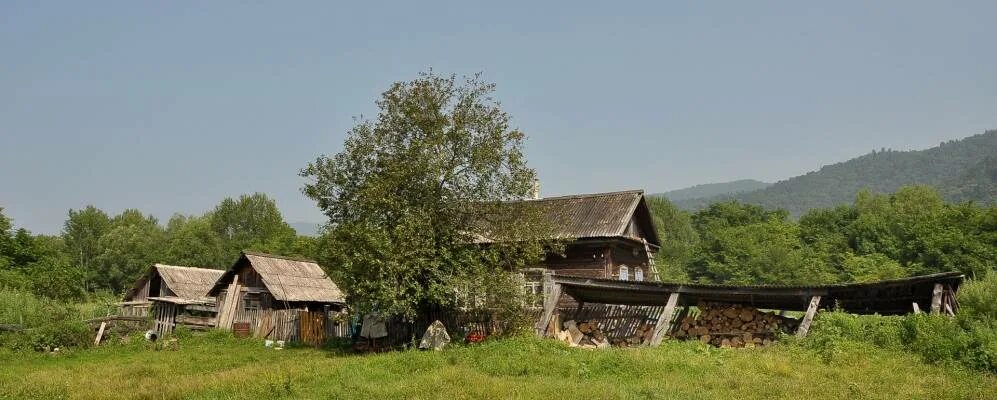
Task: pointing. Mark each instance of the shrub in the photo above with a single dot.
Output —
(46, 323)
(976, 300)
(934, 338)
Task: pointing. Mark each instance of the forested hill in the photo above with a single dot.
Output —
(714, 189)
(961, 170)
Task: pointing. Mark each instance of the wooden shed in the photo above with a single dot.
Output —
(665, 308)
(261, 292)
(169, 281)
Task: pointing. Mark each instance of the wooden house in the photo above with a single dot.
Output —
(607, 235)
(258, 283)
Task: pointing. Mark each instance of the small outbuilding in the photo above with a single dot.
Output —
(172, 282)
(261, 292)
(172, 295)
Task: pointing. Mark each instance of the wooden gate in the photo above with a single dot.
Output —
(165, 318)
(312, 327)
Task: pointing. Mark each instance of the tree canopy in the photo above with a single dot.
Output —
(413, 189)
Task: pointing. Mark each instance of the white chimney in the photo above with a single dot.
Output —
(536, 189)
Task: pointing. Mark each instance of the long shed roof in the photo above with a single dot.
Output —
(287, 279)
(884, 297)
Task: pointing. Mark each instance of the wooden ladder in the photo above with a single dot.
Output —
(651, 268)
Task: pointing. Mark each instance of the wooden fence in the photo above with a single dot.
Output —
(311, 327)
(164, 318)
(616, 321)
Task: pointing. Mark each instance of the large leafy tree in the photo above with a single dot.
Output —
(133, 243)
(415, 189)
(190, 241)
(82, 232)
(251, 222)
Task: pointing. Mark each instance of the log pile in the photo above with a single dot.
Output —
(733, 325)
(588, 334)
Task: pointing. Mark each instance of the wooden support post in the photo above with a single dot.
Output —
(100, 333)
(665, 321)
(550, 305)
(809, 317)
(936, 299)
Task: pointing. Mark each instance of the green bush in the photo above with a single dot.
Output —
(45, 323)
(934, 338)
(977, 299)
(48, 337)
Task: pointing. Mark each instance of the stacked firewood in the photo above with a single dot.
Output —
(641, 336)
(733, 325)
(588, 334)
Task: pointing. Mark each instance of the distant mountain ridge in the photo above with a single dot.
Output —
(961, 170)
(714, 189)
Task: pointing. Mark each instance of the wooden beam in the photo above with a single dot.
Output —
(100, 333)
(665, 320)
(809, 317)
(936, 299)
(550, 304)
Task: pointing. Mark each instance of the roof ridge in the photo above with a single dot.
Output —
(289, 258)
(589, 195)
(157, 265)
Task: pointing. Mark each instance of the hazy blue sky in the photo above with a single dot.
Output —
(172, 106)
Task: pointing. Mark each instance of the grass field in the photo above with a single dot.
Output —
(218, 366)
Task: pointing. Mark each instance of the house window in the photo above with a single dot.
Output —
(638, 274)
(624, 273)
(251, 302)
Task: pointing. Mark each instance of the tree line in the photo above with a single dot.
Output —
(98, 252)
(910, 232)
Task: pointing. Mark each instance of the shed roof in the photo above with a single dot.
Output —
(893, 296)
(287, 279)
(185, 282)
(596, 215)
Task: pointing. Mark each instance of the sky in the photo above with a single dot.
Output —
(172, 106)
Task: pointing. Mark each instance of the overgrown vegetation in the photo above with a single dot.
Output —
(970, 340)
(219, 366)
(38, 323)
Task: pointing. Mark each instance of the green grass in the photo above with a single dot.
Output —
(216, 366)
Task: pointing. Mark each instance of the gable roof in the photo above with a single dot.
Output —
(185, 282)
(287, 279)
(595, 215)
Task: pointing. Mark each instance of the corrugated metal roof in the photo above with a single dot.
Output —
(885, 297)
(290, 279)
